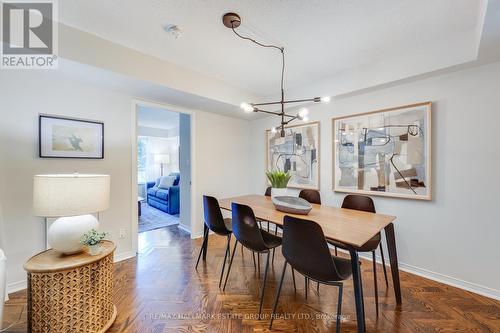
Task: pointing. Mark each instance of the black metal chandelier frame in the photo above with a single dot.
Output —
(233, 21)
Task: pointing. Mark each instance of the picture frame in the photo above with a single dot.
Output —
(64, 137)
(385, 152)
(306, 169)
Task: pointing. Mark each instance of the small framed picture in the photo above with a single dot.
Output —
(61, 137)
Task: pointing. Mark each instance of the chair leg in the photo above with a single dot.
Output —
(339, 307)
(230, 264)
(264, 284)
(293, 278)
(317, 288)
(202, 247)
(273, 257)
(225, 258)
(258, 262)
(306, 283)
(383, 265)
(253, 256)
(375, 281)
(278, 295)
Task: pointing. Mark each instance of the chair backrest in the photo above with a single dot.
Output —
(312, 196)
(213, 215)
(359, 202)
(245, 227)
(306, 249)
(268, 191)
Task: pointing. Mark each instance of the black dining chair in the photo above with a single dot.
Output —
(311, 196)
(366, 204)
(268, 191)
(219, 225)
(247, 232)
(314, 197)
(306, 250)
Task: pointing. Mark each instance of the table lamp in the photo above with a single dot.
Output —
(162, 159)
(72, 198)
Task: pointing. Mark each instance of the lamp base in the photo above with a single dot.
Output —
(65, 233)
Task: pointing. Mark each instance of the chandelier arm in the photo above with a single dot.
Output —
(314, 99)
(268, 112)
(290, 120)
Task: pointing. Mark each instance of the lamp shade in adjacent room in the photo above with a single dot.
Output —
(162, 158)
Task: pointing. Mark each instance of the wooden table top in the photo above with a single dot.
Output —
(343, 225)
(54, 261)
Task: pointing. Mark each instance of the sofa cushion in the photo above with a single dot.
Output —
(166, 182)
(152, 190)
(177, 176)
(162, 194)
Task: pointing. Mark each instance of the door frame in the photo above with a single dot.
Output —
(168, 107)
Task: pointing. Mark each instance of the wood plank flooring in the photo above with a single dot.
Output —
(160, 291)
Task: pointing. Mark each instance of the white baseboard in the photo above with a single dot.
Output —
(20, 285)
(185, 228)
(124, 256)
(438, 277)
(16, 286)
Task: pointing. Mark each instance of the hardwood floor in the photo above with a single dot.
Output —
(160, 291)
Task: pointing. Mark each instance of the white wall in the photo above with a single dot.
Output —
(25, 94)
(453, 238)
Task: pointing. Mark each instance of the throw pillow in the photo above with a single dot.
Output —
(166, 182)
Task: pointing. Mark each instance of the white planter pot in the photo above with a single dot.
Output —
(2, 284)
(279, 192)
(94, 249)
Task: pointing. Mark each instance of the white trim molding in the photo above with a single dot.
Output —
(438, 277)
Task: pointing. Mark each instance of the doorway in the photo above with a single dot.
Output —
(163, 172)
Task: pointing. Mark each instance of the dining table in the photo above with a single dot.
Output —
(352, 228)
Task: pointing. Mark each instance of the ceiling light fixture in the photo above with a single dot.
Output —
(233, 21)
(173, 30)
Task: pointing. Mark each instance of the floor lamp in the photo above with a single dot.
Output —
(162, 159)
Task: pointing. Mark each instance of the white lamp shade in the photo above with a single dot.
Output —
(162, 158)
(70, 194)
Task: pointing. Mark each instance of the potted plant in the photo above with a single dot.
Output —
(279, 181)
(92, 239)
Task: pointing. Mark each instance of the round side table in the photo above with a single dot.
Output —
(71, 293)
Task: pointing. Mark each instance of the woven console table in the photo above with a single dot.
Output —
(71, 293)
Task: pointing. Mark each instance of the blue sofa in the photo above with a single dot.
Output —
(167, 200)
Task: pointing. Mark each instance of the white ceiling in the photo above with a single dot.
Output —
(324, 39)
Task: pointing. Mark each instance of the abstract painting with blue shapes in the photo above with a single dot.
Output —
(384, 152)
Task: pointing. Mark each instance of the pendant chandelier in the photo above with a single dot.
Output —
(233, 21)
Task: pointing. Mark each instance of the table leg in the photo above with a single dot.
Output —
(205, 232)
(358, 291)
(393, 257)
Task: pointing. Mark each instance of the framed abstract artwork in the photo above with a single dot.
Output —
(385, 152)
(297, 153)
(60, 137)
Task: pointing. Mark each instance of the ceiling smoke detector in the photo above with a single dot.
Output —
(173, 30)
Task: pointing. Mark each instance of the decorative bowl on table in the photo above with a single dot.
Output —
(292, 205)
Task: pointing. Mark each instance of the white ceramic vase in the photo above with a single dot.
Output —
(279, 192)
(94, 249)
